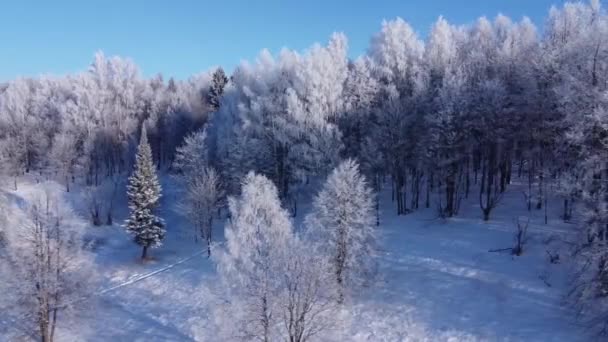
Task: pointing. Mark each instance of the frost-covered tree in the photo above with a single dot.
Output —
(216, 90)
(285, 109)
(64, 157)
(277, 286)
(101, 199)
(258, 235)
(47, 263)
(81, 127)
(203, 191)
(203, 197)
(360, 96)
(144, 192)
(23, 139)
(191, 158)
(448, 136)
(574, 68)
(447, 142)
(343, 219)
(309, 296)
(397, 55)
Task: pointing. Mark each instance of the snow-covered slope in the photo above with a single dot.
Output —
(437, 280)
(444, 272)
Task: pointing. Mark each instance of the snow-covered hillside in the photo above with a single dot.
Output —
(436, 280)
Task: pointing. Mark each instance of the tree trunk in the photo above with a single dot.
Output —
(520, 167)
(418, 180)
(566, 216)
(53, 324)
(530, 178)
(488, 188)
(486, 214)
(109, 220)
(476, 165)
(490, 181)
(541, 185)
(44, 333)
(482, 190)
(468, 179)
(404, 194)
(377, 200)
(208, 236)
(450, 190)
(265, 319)
(546, 215)
(144, 252)
(413, 189)
(509, 170)
(449, 197)
(399, 194)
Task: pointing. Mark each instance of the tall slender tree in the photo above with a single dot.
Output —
(257, 241)
(343, 220)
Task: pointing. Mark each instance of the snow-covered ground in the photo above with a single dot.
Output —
(437, 280)
(444, 271)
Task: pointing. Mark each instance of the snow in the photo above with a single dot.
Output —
(436, 280)
(444, 271)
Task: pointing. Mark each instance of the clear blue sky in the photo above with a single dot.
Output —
(180, 38)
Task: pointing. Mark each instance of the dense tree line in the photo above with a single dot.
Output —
(86, 126)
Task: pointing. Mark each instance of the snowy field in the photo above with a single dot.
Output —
(437, 280)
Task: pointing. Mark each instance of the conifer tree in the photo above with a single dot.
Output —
(144, 192)
(216, 90)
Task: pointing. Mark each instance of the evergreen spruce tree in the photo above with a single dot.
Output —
(217, 88)
(144, 192)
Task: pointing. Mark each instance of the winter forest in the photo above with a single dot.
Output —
(446, 188)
